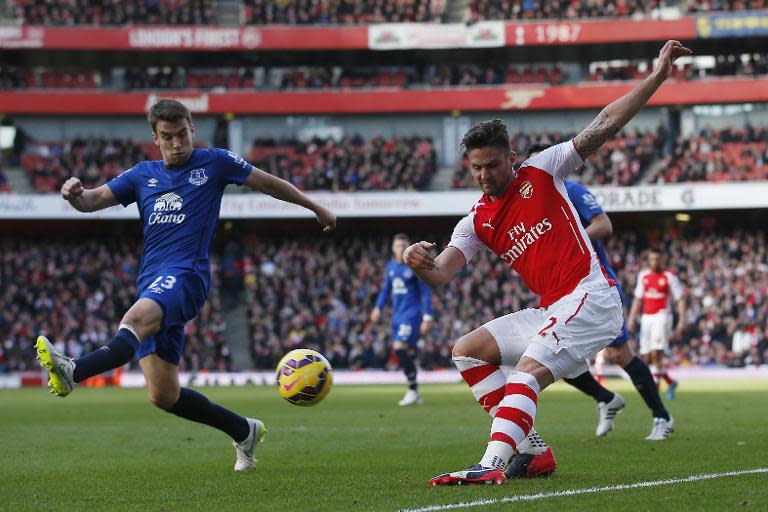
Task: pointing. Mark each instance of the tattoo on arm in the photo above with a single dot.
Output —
(593, 136)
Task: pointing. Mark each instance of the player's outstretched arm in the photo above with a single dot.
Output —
(613, 117)
(433, 271)
(285, 191)
(87, 200)
(600, 227)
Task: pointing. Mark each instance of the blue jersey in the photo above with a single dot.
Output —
(411, 297)
(588, 208)
(179, 209)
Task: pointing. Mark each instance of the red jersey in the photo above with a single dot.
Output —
(534, 227)
(655, 289)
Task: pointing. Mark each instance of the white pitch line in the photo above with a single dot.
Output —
(587, 490)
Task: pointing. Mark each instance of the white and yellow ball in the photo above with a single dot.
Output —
(304, 377)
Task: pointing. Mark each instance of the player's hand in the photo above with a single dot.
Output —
(679, 331)
(375, 315)
(326, 218)
(418, 257)
(426, 326)
(668, 55)
(631, 326)
(72, 189)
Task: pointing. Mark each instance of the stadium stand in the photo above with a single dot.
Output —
(719, 155)
(349, 164)
(96, 12)
(341, 12)
(319, 293)
(355, 77)
(78, 291)
(567, 9)
(352, 163)
(620, 162)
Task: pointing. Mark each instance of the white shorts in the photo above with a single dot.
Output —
(655, 330)
(563, 336)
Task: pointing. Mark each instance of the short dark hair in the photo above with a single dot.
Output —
(168, 110)
(401, 236)
(536, 148)
(486, 133)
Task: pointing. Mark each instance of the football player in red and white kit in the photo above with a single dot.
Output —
(526, 218)
(655, 287)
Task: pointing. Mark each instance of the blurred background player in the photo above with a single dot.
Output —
(655, 289)
(598, 227)
(411, 313)
(179, 198)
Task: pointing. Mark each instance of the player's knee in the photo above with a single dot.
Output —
(621, 355)
(164, 399)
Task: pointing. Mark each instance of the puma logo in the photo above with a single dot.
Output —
(487, 225)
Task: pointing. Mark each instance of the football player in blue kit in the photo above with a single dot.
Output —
(179, 198)
(598, 227)
(411, 313)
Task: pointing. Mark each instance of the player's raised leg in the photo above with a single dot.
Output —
(141, 320)
(165, 393)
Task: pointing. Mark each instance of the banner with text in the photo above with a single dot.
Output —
(679, 197)
(732, 24)
(406, 36)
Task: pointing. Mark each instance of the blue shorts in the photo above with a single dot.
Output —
(406, 331)
(623, 336)
(181, 294)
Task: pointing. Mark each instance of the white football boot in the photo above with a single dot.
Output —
(607, 411)
(247, 449)
(661, 429)
(59, 366)
(411, 398)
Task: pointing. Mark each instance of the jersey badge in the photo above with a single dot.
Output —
(197, 177)
(526, 189)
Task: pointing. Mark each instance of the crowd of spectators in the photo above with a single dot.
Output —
(341, 12)
(746, 65)
(351, 163)
(725, 273)
(345, 12)
(76, 292)
(115, 12)
(356, 77)
(728, 154)
(573, 9)
(621, 161)
(317, 292)
(95, 160)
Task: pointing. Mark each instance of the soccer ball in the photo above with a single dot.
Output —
(304, 377)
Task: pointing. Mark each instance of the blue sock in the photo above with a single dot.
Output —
(586, 383)
(641, 377)
(194, 406)
(408, 367)
(116, 353)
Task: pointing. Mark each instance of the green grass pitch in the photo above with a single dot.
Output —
(109, 449)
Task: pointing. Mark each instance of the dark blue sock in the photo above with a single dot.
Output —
(194, 406)
(641, 377)
(408, 367)
(116, 353)
(586, 383)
